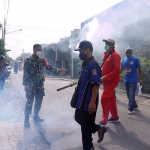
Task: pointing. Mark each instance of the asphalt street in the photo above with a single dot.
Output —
(59, 131)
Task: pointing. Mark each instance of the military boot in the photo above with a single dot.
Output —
(37, 118)
(26, 121)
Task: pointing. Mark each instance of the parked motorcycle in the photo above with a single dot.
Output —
(8, 72)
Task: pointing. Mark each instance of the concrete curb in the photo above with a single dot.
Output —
(143, 95)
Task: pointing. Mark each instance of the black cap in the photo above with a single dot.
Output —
(84, 45)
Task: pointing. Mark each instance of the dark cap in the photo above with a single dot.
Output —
(84, 45)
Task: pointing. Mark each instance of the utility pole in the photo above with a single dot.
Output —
(4, 31)
(23, 55)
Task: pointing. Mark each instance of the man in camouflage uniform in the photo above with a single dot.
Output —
(33, 79)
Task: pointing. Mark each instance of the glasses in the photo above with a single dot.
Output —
(128, 52)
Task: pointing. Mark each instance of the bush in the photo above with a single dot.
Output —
(145, 63)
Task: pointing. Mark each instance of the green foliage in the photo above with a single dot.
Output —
(23, 56)
(145, 63)
(3, 51)
(122, 76)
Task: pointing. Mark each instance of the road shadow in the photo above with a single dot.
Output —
(122, 104)
(54, 138)
(126, 139)
(141, 117)
(33, 138)
(39, 128)
(59, 136)
(76, 148)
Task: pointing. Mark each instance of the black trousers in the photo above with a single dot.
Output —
(88, 127)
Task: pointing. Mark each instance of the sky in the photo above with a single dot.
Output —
(44, 21)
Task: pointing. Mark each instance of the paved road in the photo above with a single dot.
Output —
(59, 131)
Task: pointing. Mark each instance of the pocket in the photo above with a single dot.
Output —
(108, 62)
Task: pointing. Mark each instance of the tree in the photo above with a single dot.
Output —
(3, 51)
(23, 56)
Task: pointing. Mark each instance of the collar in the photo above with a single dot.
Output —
(105, 53)
(34, 56)
(87, 61)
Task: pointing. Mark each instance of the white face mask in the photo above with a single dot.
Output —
(39, 53)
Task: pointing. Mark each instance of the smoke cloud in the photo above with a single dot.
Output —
(127, 23)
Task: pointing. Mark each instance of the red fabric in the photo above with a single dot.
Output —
(46, 63)
(108, 101)
(111, 67)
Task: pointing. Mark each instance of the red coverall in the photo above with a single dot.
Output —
(111, 70)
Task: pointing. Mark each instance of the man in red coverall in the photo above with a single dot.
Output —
(110, 78)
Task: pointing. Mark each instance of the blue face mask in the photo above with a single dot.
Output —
(106, 47)
(82, 56)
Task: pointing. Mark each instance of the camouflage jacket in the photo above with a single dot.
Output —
(3, 70)
(33, 70)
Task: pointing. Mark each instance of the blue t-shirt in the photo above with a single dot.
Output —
(130, 66)
(90, 76)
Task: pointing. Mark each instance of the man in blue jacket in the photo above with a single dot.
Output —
(87, 103)
(130, 65)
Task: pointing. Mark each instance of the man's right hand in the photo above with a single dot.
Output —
(26, 88)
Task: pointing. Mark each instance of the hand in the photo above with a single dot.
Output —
(140, 81)
(26, 88)
(92, 108)
(102, 79)
(63, 70)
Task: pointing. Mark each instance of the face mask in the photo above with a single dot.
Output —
(106, 47)
(82, 56)
(39, 53)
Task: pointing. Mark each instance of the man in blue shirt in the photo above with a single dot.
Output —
(88, 96)
(130, 64)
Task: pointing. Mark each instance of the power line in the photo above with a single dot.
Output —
(34, 36)
(44, 28)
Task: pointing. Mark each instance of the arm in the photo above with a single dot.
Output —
(95, 81)
(121, 70)
(140, 75)
(116, 68)
(92, 105)
(52, 69)
(26, 81)
(139, 70)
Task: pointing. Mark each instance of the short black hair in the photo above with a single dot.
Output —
(36, 46)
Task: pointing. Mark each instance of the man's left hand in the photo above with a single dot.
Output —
(63, 70)
(92, 108)
(140, 81)
(102, 79)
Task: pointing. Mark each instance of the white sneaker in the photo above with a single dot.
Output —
(130, 112)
